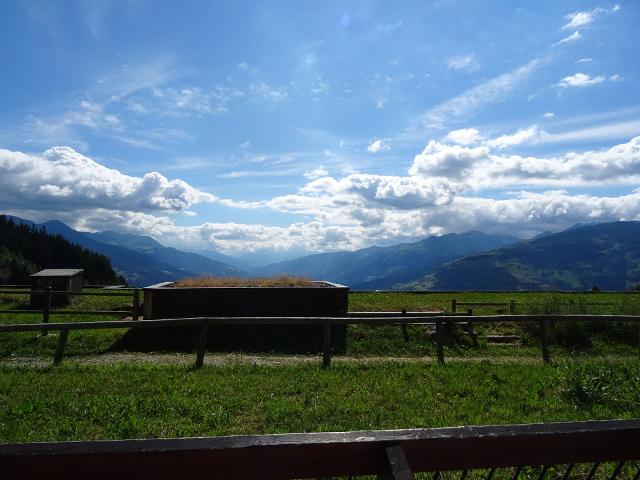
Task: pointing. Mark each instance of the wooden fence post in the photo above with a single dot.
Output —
(544, 341)
(46, 307)
(512, 306)
(202, 344)
(403, 327)
(399, 468)
(472, 332)
(439, 341)
(453, 305)
(62, 343)
(136, 304)
(326, 345)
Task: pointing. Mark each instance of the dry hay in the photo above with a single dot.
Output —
(279, 281)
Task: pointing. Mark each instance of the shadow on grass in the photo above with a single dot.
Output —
(246, 338)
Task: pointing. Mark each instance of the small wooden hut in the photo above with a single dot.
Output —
(59, 279)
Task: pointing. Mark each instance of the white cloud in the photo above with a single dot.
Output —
(492, 91)
(584, 60)
(478, 168)
(353, 211)
(580, 80)
(450, 161)
(243, 66)
(271, 95)
(62, 179)
(548, 115)
(316, 173)
(528, 134)
(584, 19)
(571, 38)
(463, 62)
(616, 78)
(194, 100)
(578, 19)
(464, 136)
(244, 145)
(378, 145)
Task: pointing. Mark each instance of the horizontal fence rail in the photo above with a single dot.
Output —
(204, 322)
(395, 454)
(46, 312)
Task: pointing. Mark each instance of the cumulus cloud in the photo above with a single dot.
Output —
(464, 136)
(318, 172)
(478, 168)
(524, 135)
(63, 179)
(441, 193)
(548, 115)
(451, 161)
(580, 80)
(378, 145)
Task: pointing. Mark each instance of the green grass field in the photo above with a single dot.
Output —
(119, 400)
(125, 401)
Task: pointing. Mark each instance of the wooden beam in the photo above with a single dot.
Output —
(544, 341)
(326, 345)
(202, 344)
(399, 468)
(62, 343)
(313, 455)
(440, 341)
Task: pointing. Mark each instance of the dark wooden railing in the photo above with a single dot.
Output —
(474, 451)
(46, 311)
(381, 319)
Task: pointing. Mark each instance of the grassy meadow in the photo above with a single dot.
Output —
(127, 401)
(595, 374)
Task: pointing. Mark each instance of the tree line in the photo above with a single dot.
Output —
(26, 249)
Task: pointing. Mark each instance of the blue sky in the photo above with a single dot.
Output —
(314, 126)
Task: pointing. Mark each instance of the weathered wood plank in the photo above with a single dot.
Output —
(326, 345)
(399, 468)
(326, 454)
(202, 344)
(440, 341)
(460, 319)
(62, 343)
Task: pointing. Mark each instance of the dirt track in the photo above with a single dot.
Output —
(247, 359)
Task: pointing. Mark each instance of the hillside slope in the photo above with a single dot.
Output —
(606, 256)
(381, 267)
(25, 249)
(138, 268)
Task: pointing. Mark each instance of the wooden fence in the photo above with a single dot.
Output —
(46, 312)
(540, 451)
(381, 319)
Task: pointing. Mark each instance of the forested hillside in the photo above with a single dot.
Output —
(25, 249)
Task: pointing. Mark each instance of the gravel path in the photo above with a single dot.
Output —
(248, 359)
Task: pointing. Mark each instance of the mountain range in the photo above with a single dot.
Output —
(139, 259)
(605, 255)
(381, 267)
